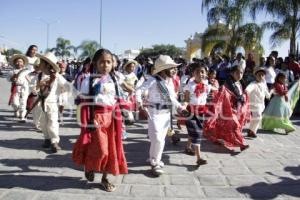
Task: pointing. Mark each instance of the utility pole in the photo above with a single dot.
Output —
(100, 39)
(48, 23)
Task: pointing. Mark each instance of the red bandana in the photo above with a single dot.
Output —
(200, 88)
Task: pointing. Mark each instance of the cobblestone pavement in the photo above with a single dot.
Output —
(270, 169)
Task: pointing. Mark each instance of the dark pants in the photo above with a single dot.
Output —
(194, 127)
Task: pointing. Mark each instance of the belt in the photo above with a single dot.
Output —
(159, 106)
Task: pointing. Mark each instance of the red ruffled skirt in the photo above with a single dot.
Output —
(102, 150)
(226, 124)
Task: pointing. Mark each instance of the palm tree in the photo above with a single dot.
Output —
(287, 13)
(63, 48)
(88, 48)
(226, 31)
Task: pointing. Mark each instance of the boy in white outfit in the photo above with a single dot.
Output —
(257, 92)
(50, 86)
(19, 93)
(161, 99)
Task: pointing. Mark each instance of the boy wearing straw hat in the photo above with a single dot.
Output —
(161, 98)
(50, 85)
(17, 96)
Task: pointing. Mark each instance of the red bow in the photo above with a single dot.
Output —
(200, 88)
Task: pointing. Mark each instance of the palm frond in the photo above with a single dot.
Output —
(279, 36)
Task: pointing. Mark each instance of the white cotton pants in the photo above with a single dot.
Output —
(36, 115)
(255, 121)
(49, 122)
(23, 104)
(16, 103)
(158, 125)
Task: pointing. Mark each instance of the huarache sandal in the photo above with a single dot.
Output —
(90, 176)
(107, 186)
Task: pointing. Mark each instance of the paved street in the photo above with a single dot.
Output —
(270, 169)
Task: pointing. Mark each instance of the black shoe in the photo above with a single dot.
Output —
(47, 143)
(243, 148)
(251, 134)
(55, 148)
(201, 162)
(175, 138)
(90, 176)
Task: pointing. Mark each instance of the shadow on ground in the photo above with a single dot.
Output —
(286, 186)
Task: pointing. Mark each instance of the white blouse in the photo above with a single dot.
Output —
(270, 75)
(105, 91)
(202, 98)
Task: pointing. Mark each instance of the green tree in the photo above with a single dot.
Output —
(226, 29)
(156, 50)
(9, 52)
(63, 48)
(286, 25)
(88, 48)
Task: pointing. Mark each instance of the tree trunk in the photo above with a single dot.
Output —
(294, 28)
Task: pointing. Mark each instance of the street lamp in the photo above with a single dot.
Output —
(100, 41)
(48, 23)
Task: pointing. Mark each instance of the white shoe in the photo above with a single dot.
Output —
(23, 120)
(157, 170)
(161, 164)
(155, 163)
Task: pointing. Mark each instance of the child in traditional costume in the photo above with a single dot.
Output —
(278, 112)
(160, 100)
(50, 84)
(19, 93)
(196, 93)
(130, 82)
(100, 148)
(257, 92)
(33, 78)
(231, 113)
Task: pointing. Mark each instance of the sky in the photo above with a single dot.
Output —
(126, 24)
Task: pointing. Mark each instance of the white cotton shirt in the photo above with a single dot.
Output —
(130, 79)
(257, 92)
(194, 100)
(31, 61)
(59, 84)
(154, 94)
(270, 75)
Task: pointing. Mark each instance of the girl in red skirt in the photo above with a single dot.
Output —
(99, 147)
(231, 112)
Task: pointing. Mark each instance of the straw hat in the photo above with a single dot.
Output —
(18, 56)
(51, 59)
(163, 62)
(259, 69)
(130, 62)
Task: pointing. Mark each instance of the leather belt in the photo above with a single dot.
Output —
(159, 106)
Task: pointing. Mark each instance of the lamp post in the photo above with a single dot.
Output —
(100, 39)
(48, 23)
